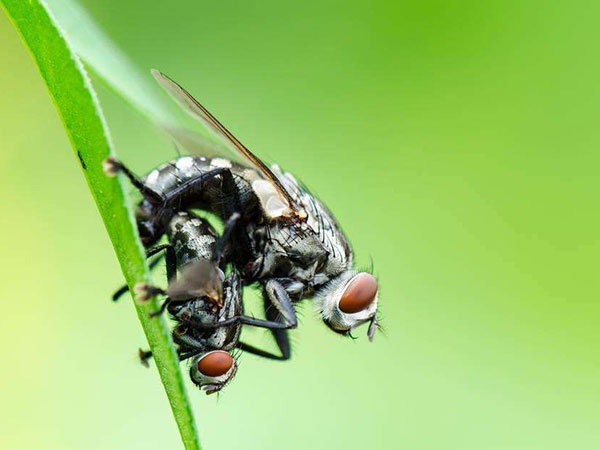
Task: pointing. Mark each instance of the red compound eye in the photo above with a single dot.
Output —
(359, 294)
(215, 364)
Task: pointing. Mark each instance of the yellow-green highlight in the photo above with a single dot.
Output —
(457, 143)
(77, 104)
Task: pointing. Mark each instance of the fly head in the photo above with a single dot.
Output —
(211, 371)
(349, 300)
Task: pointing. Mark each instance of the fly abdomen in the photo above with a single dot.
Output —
(191, 237)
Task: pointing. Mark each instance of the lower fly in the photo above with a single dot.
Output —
(205, 303)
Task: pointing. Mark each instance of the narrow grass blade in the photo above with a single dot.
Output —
(109, 62)
(84, 122)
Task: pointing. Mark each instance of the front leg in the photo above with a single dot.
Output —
(171, 265)
(145, 355)
(237, 320)
(278, 297)
(224, 239)
(285, 351)
(145, 292)
(279, 310)
(190, 189)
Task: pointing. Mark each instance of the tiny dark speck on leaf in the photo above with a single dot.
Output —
(81, 160)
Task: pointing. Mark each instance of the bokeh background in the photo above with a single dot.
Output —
(458, 144)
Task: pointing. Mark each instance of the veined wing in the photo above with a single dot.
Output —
(195, 109)
(198, 279)
(196, 144)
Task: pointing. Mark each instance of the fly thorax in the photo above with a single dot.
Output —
(291, 252)
(320, 221)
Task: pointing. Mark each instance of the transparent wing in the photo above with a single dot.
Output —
(195, 144)
(196, 110)
(198, 279)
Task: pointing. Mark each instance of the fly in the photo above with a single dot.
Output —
(286, 239)
(205, 303)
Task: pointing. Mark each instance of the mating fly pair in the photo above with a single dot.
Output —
(285, 239)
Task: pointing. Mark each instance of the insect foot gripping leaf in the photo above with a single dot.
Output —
(82, 117)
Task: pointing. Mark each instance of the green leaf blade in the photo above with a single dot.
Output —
(80, 112)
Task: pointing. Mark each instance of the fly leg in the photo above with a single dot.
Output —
(285, 355)
(145, 292)
(222, 242)
(190, 354)
(165, 204)
(178, 198)
(277, 303)
(277, 295)
(166, 302)
(193, 351)
(111, 167)
(281, 317)
(191, 188)
(277, 299)
(171, 265)
(119, 292)
(152, 221)
(232, 204)
(188, 347)
(123, 289)
(144, 356)
(170, 258)
(237, 320)
(183, 354)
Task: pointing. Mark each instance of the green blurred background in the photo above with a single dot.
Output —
(457, 143)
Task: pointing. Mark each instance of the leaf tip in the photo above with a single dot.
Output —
(156, 73)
